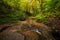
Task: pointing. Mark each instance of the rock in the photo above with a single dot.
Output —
(31, 35)
(43, 29)
(11, 35)
(27, 30)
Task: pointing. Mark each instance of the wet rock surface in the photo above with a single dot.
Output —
(25, 30)
(11, 34)
(31, 35)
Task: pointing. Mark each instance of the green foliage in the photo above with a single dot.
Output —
(40, 18)
(10, 12)
(13, 3)
(40, 9)
(50, 8)
(14, 16)
(19, 15)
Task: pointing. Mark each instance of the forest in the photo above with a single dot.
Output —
(29, 19)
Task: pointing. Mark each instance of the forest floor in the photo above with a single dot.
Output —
(29, 30)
